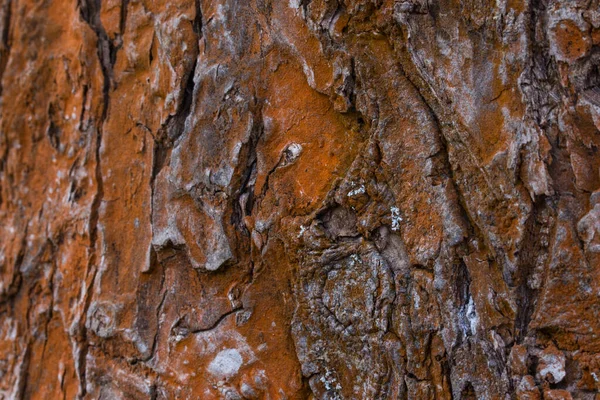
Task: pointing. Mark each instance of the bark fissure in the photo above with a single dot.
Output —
(5, 44)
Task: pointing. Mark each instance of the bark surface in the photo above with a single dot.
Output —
(303, 199)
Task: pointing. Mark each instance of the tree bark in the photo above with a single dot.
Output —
(303, 199)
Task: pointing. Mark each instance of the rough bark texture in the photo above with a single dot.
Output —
(326, 199)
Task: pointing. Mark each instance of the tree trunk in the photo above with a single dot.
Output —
(326, 199)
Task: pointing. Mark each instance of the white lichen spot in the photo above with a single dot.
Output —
(226, 364)
(354, 258)
(302, 230)
(330, 382)
(61, 372)
(310, 75)
(417, 300)
(472, 316)
(359, 190)
(396, 218)
(554, 365)
(291, 153)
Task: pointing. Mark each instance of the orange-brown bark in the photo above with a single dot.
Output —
(303, 199)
